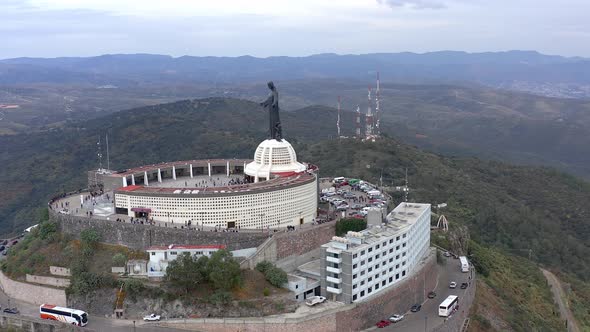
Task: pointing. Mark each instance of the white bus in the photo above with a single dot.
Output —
(448, 305)
(464, 264)
(64, 315)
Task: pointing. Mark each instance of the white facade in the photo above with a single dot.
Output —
(273, 157)
(273, 208)
(364, 263)
(161, 256)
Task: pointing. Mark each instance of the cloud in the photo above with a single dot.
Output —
(415, 4)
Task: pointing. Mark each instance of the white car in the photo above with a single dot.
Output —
(396, 318)
(453, 285)
(152, 318)
(315, 300)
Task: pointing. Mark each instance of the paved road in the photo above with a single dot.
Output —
(98, 324)
(427, 317)
(559, 296)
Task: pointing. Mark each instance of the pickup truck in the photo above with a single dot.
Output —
(315, 300)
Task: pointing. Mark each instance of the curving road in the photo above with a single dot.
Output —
(560, 298)
(427, 318)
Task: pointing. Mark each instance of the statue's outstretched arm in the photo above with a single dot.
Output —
(267, 102)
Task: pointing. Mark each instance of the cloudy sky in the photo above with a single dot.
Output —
(49, 28)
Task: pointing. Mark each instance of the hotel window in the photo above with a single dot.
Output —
(362, 293)
(396, 276)
(403, 273)
(354, 266)
(370, 249)
(354, 297)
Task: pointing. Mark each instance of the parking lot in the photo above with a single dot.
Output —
(350, 200)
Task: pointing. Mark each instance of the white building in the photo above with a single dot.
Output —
(160, 256)
(364, 263)
(278, 191)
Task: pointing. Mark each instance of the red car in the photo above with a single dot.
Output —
(383, 323)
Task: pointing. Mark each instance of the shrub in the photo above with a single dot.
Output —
(119, 259)
(133, 287)
(266, 291)
(352, 224)
(220, 297)
(46, 229)
(276, 276)
(264, 266)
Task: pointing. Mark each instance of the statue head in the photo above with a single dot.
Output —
(271, 85)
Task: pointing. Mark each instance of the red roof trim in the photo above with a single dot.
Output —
(130, 188)
(174, 246)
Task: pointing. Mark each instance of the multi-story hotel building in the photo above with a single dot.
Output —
(364, 263)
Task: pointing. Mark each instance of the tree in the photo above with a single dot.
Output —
(119, 259)
(350, 224)
(224, 270)
(264, 266)
(276, 276)
(185, 272)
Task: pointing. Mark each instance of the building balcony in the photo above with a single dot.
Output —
(333, 269)
(333, 290)
(333, 259)
(334, 280)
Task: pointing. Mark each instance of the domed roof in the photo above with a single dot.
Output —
(274, 157)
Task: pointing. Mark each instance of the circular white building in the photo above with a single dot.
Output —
(272, 191)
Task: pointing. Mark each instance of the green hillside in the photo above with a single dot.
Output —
(505, 206)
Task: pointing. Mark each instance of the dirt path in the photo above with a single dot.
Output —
(559, 295)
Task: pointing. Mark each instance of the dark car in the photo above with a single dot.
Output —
(464, 285)
(431, 295)
(416, 308)
(2, 248)
(11, 311)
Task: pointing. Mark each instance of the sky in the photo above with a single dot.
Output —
(52, 28)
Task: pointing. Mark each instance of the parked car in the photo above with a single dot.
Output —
(2, 248)
(447, 254)
(453, 285)
(464, 285)
(396, 318)
(151, 318)
(342, 207)
(383, 323)
(431, 295)
(416, 308)
(357, 206)
(13, 311)
(315, 300)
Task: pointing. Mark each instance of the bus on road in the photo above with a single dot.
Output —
(64, 315)
(448, 306)
(464, 264)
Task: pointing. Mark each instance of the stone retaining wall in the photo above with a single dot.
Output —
(353, 317)
(51, 281)
(32, 293)
(59, 271)
(304, 240)
(294, 243)
(137, 236)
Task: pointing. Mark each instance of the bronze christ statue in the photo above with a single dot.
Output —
(272, 104)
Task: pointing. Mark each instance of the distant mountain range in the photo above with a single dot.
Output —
(521, 70)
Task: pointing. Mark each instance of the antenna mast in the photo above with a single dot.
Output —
(99, 154)
(338, 121)
(378, 108)
(369, 118)
(358, 122)
(108, 158)
(406, 189)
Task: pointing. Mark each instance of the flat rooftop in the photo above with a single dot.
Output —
(398, 220)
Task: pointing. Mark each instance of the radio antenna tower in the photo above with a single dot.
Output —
(369, 118)
(378, 108)
(99, 154)
(108, 158)
(338, 120)
(358, 122)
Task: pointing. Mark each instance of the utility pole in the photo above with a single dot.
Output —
(108, 158)
(338, 120)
